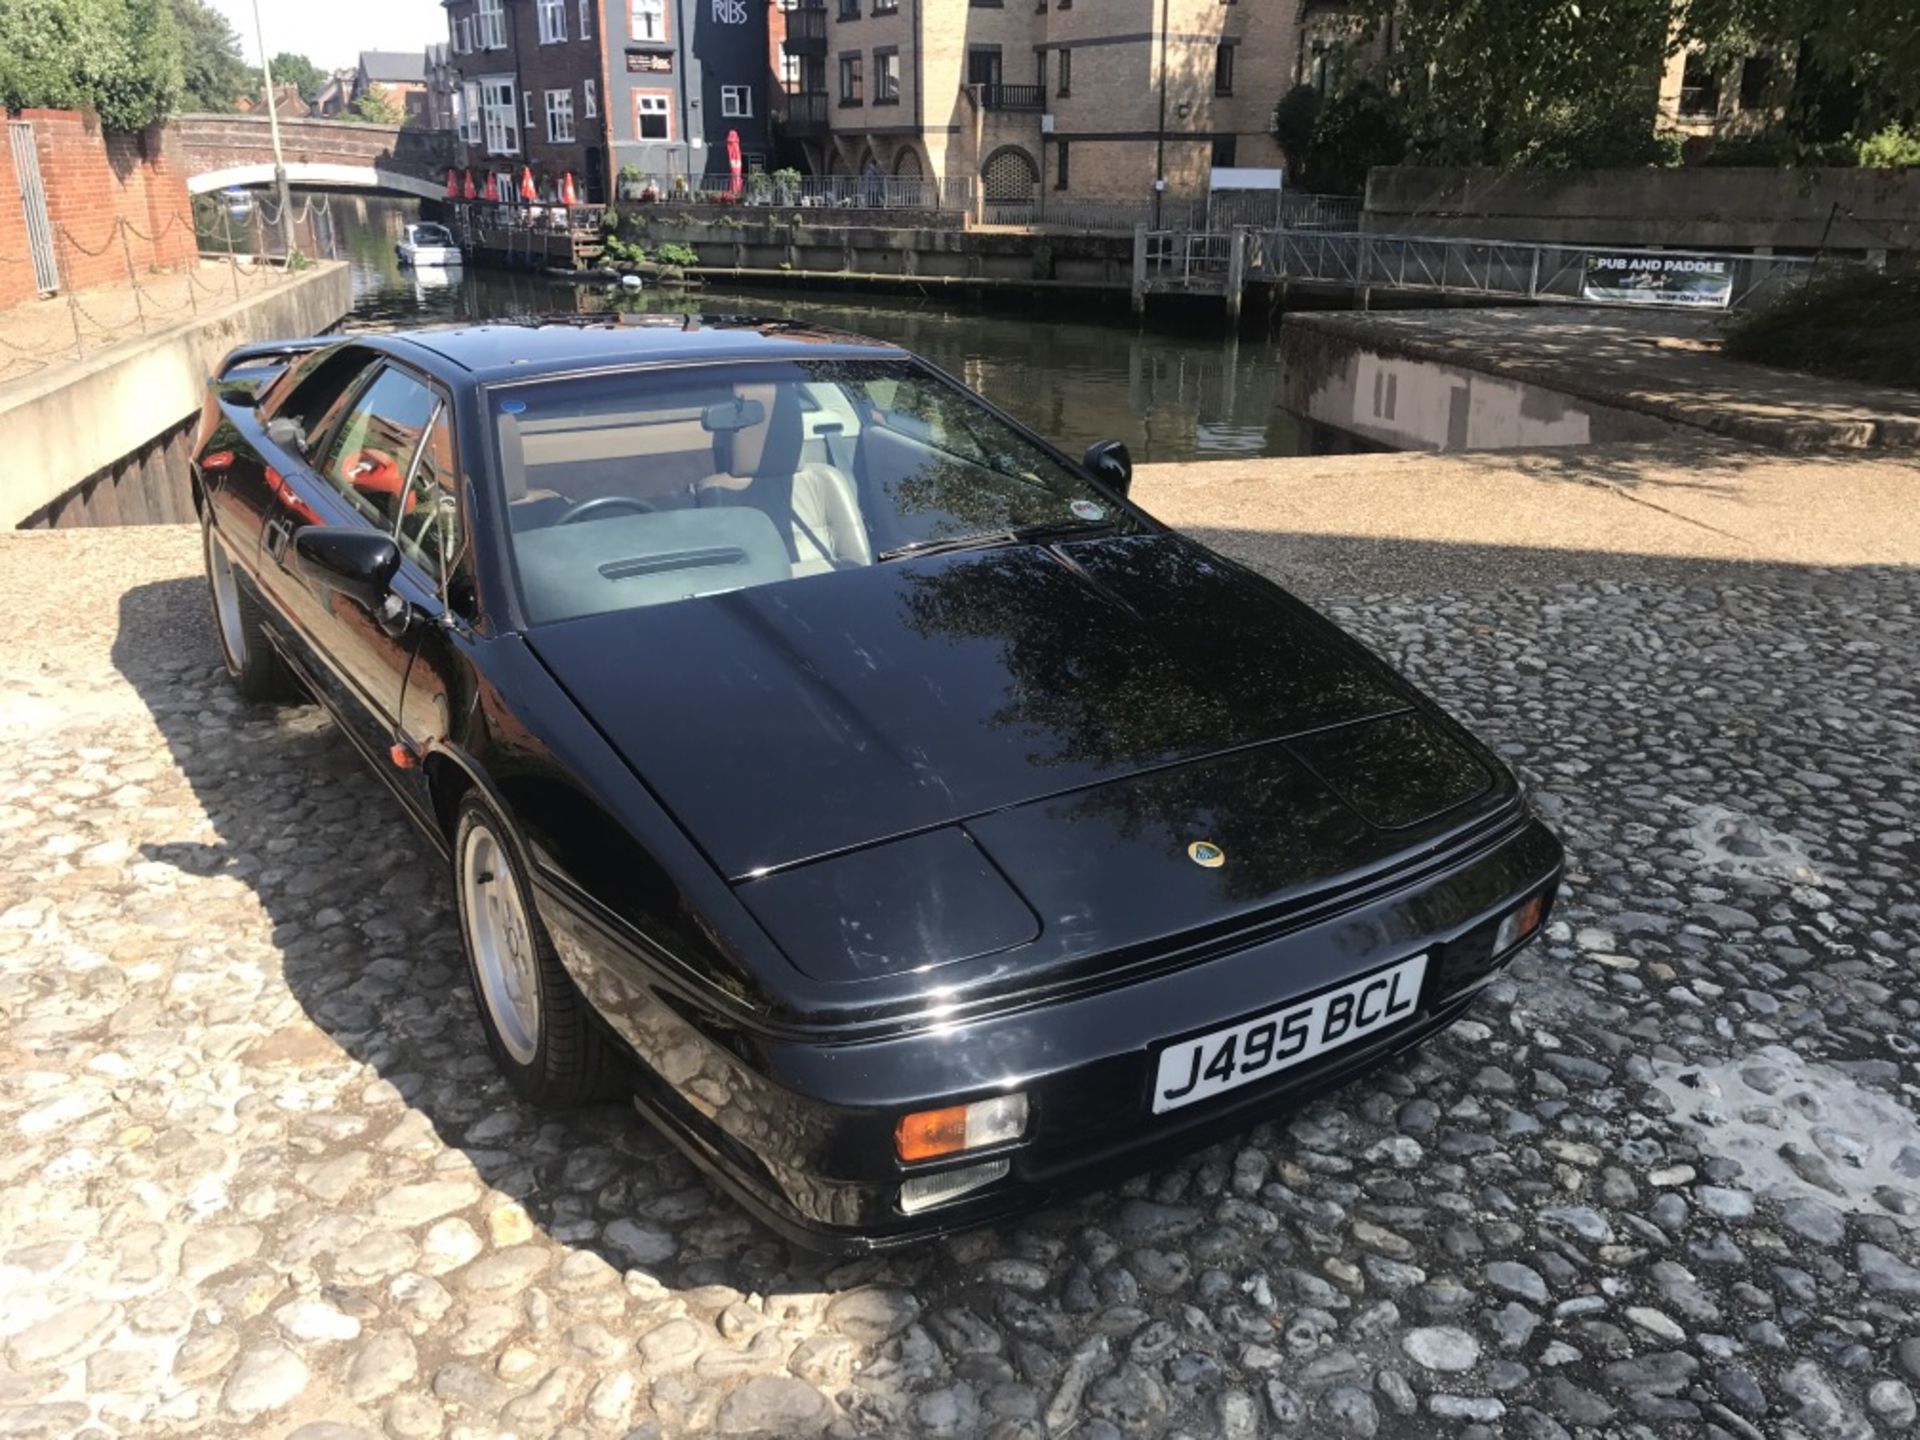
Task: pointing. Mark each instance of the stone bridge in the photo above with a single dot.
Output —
(223, 150)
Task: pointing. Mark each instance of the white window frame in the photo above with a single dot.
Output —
(551, 15)
(490, 17)
(470, 122)
(590, 93)
(586, 19)
(500, 117)
(657, 10)
(559, 109)
(736, 102)
(652, 102)
(526, 109)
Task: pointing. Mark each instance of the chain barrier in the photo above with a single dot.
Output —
(37, 333)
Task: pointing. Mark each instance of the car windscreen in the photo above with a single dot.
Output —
(648, 487)
(432, 235)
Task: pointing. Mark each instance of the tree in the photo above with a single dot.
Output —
(299, 72)
(214, 74)
(1862, 53)
(117, 58)
(1527, 82)
(375, 107)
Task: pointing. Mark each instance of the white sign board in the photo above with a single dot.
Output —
(1247, 178)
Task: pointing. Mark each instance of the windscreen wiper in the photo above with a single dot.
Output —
(989, 539)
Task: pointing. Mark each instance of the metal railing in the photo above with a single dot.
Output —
(1188, 259)
(802, 111)
(806, 28)
(1500, 269)
(1026, 98)
(951, 196)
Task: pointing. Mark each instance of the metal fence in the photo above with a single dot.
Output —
(1223, 210)
(1492, 268)
(953, 195)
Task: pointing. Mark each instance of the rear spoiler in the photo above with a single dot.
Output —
(248, 369)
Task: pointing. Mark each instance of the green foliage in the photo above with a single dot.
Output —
(1890, 148)
(1547, 83)
(672, 254)
(212, 73)
(1293, 124)
(1856, 324)
(118, 58)
(786, 186)
(375, 107)
(625, 254)
(1356, 130)
(299, 72)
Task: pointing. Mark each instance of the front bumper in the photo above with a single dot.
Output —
(799, 1129)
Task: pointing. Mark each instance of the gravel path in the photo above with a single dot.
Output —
(257, 1176)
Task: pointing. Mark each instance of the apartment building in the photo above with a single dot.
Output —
(1094, 98)
(531, 78)
(681, 76)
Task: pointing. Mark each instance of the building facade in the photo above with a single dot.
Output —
(1097, 99)
(401, 75)
(530, 77)
(443, 88)
(681, 76)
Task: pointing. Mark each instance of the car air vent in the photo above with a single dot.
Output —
(673, 560)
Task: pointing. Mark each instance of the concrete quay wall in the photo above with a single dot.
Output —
(103, 440)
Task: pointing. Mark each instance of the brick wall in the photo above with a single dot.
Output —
(112, 200)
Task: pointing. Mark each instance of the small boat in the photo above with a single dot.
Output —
(428, 244)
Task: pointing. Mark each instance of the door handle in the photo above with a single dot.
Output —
(278, 533)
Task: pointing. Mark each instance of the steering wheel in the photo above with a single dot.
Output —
(607, 502)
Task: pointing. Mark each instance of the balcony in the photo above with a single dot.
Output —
(1029, 99)
(807, 31)
(802, 112)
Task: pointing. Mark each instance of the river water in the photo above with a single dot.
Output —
(1076, 373)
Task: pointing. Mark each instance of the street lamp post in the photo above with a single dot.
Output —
(273, 126)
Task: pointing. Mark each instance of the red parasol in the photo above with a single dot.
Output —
(733, 162)
(567, 193)
(466, 190)
(493, 188)
(527, 192)
(453, 185)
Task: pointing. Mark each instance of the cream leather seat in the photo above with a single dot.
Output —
(814, 504)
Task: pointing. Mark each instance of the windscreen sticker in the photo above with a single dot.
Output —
(513, 407)
(1088, 510)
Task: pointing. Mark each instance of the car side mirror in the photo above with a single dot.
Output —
(288, 433)
(1109, 462)
(360, 564)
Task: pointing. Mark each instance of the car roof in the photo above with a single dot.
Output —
(522, 349)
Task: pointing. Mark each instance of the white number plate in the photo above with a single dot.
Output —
(1198, 1069)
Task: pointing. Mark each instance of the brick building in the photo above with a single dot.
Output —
(531, 78)
(1099, 99)
(91, 182)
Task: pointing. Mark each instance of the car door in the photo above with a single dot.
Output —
(363, 462)
(243, 467)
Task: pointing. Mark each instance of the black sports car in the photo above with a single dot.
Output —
(913, 827)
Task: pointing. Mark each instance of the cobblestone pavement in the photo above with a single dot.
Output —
(257, 1176)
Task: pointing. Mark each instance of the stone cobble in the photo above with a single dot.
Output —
(258, 1175)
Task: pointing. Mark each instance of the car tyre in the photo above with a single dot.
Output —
(254, 666)
(541, 1031)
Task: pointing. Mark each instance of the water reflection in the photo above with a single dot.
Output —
(1169, 396)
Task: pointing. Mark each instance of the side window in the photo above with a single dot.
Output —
(373, 450)
(430, 515)
(316, 386)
